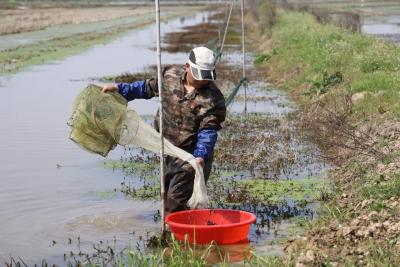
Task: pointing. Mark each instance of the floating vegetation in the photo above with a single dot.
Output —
(298, 190)
(131, 166)
(265, 145)
(146, 192)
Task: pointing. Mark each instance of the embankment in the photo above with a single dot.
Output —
(348, 87)
(54, 37)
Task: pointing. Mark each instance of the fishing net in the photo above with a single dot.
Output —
(100, 121)
(96, 120)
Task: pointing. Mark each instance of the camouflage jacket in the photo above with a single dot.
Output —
(184, 115)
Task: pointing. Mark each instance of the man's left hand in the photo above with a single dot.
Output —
(200, 161)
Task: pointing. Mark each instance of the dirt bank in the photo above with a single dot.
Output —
(33, 19)
(63, 41)
(347, 86)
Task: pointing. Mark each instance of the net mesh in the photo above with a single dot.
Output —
(96, 119)
(100, 121)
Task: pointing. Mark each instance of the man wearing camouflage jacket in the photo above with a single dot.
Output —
(194, 109)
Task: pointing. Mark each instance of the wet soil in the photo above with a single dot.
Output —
(33, 19)
(207, 34)
(22, 50)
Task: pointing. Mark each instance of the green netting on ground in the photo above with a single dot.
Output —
(96, 119)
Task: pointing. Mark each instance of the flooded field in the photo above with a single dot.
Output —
(50, 189)
(380, 18)
(56, 198)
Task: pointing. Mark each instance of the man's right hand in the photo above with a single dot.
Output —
(110, 88)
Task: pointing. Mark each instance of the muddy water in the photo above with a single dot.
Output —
(50, 189)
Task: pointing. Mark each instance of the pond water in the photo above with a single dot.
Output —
(50, 189)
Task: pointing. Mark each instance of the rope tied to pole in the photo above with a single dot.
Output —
(218, 54)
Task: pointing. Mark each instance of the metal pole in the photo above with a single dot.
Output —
(243, 59)
(160, 97)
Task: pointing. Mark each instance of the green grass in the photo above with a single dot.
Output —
(261, 58)
(367, 64)
(305, 55)
(172, 253)
(380, 189)
(132, 166)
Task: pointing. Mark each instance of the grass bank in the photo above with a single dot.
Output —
(22, 57)
(348, 88)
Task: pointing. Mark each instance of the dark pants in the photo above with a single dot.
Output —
(179, 179)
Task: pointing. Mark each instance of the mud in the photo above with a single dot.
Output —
(206, 34)
(33, 19)
(364, 228)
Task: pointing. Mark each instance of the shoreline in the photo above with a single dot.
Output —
(346, 84)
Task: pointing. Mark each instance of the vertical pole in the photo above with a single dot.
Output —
(160, 93)
(243, 60)
(226, 29)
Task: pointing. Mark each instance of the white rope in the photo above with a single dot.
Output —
(159, 82)
(226, 28)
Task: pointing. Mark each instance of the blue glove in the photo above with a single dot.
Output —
(206, 139)
(131, 91)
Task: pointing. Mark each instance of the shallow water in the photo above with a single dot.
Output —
(379, 18)
(49, 187)
(387, 27)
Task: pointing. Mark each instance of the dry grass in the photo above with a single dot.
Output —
(24, 20)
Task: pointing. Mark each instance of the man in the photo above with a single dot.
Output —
(194, 109)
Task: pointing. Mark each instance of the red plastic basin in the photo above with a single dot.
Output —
(205, 226)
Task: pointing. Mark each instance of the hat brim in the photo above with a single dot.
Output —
(202, 74)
